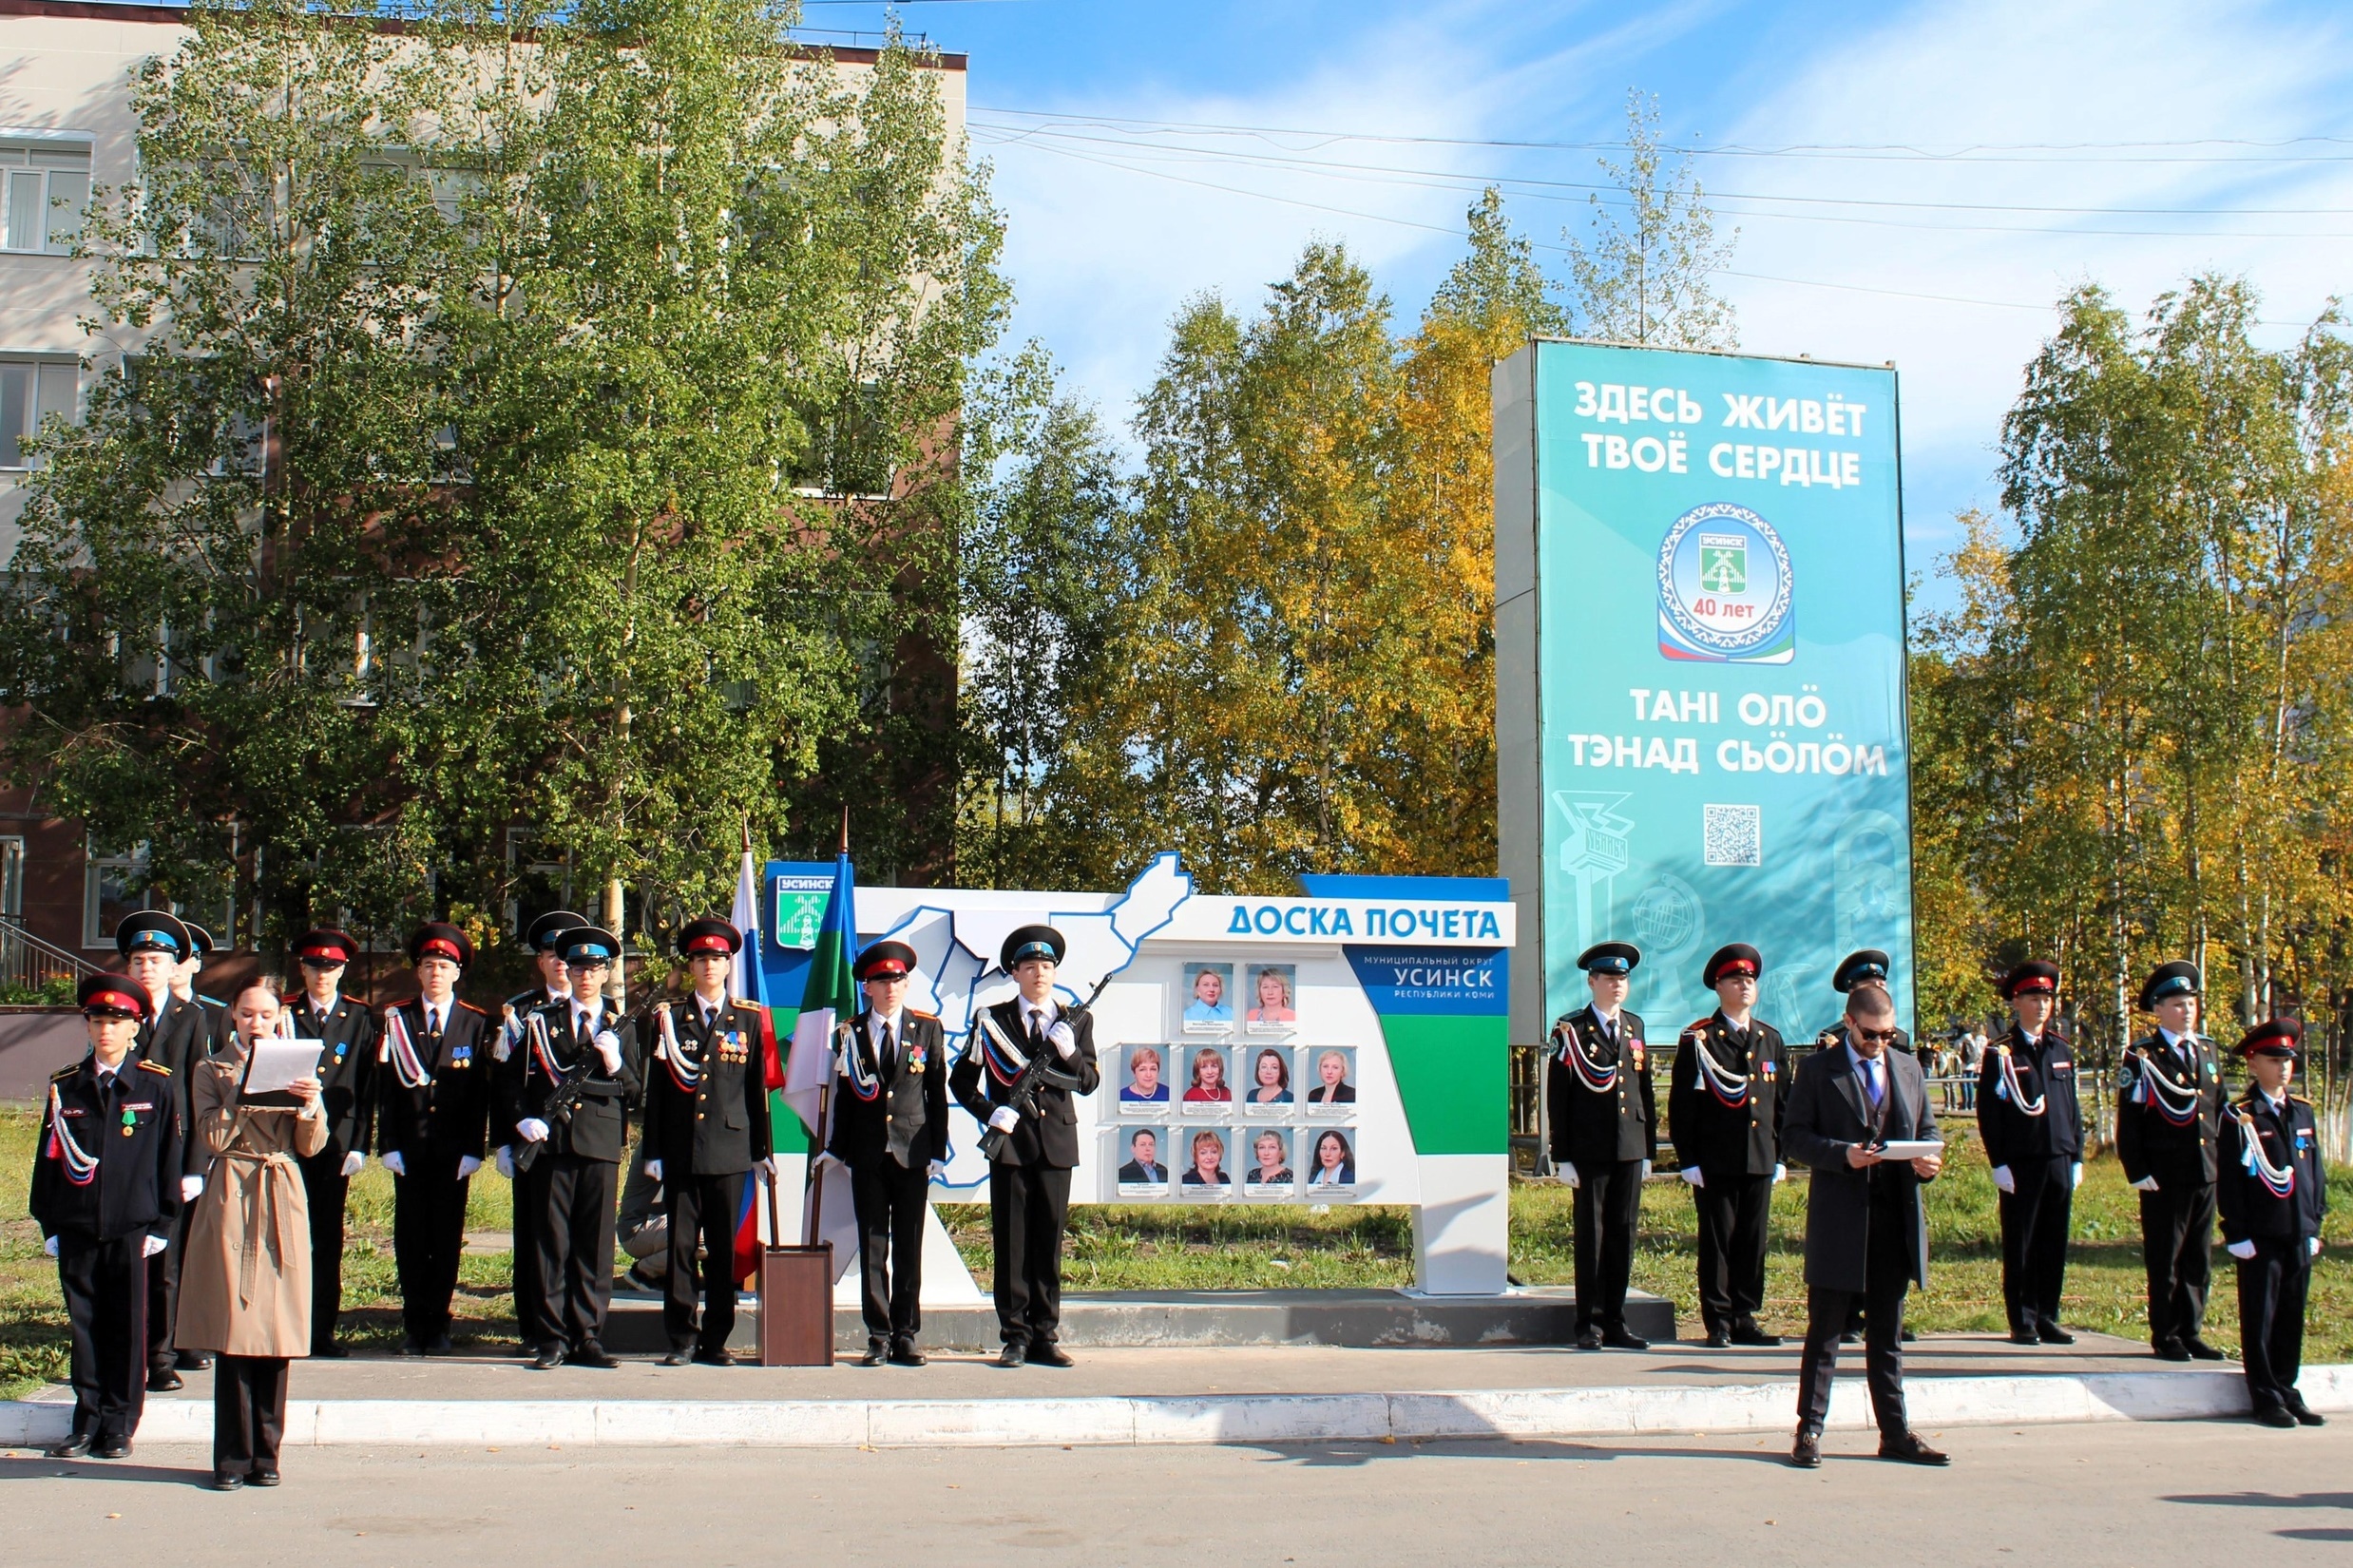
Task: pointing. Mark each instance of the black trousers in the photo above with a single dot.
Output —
(530, 1296)
(106, 1287)
(1609, 1200)
(1027, 1206)
(574, 1196)
(429, 1236)
(2034, 1239)
(1735, 1218)
(891, 1201)
(163, 1296)
(2177, 1248)
(249, 1413)
(2272, 1285)
(325, 1189)
(702, 1211)
(1887, 1278)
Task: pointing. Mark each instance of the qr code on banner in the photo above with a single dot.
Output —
(1733, 835)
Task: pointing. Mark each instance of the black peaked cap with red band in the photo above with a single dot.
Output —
(708, 935)
(325, 945)
(106, 993)
(1733, 958)
(2280, 1036)
(886, 960)
(2034, 975)
(439, 939)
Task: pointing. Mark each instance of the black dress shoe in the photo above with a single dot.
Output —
(2274, 1415)
(193, 1361)
(676, 1358)
(876, 1353)
(2305, 1414)
(1014, 1354)
(115, 1446)
(904, 1354)
(2200, 1351)
(162, 1380)
(331, 1351)
(1806, 1453)
(75, 1447)
(1719, 1339)
(439, 1345)
(1748, 1333)
(1850, 1336)
(2169, 1349)
(719, 1355)
(2051, 1333)
(1908, 1449)
(1619, 1339)
(1910, 1337)
(227, 1481)
(593, 1354)
(2024, 1336)
(263, 1475)
(549, 1358)
(410, 1345)
(1045, 1352)
(1588, 1339)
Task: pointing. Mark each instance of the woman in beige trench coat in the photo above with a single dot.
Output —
(245, 1281)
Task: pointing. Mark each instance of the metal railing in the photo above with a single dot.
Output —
(34, 969)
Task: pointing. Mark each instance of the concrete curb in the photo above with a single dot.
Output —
(1618, 1411)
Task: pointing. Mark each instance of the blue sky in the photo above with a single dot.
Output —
(1965, 163)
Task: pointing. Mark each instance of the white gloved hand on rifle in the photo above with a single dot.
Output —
(609, 1051)
(1005, 1118)
(530, 1129)
(1065, 1043)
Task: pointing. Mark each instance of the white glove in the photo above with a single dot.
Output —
(352, 1162)
(466, 1165)
(2075, 1176)
(2003, 1180)
(1005, 1118)
(152, 1245)
(1065, 1043)
(2243, 1251)
(1691, 1177)
(653, 1168)
(939, 1169)
(190, 1187)
(2146, 1184)
(531, 1130)
(506, 1162)
(2316, 1245)
(393, 1163)
(765, 1164)
(1568, 1172)
(608, 1050)
(50, 1246)
(1646, 1170)
(829, 1157)
(1781, 1173)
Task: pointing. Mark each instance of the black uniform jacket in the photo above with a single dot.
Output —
(132, 1125)
(1827, 1114)
(2153, 1087)
(1721, 1139)
(178, 1036)
(710, 1116)
(449, 1112)
(1602, 1127)
(2046, 1073)
(1050, 1139)
(907, 1116)
(346, 1071)
(2290, 1140)
(507, 1056)
(599, 1129)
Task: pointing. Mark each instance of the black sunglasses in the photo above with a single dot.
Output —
(1878, 1037)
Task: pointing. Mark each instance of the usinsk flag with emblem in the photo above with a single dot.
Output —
(831, 1000)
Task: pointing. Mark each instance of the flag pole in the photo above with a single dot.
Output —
(815, 1215)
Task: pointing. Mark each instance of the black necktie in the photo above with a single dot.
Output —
(881, 1052)
(1037, 1029)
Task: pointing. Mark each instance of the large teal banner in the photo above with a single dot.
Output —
(1719, 647)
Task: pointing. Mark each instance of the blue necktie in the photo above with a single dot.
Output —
(1870, 1079)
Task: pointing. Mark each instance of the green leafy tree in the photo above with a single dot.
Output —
(1640, 274)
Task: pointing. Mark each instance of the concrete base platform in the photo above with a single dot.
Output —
(1170, 1319)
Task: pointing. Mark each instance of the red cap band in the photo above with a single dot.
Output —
(2034, 983)
(707, 943)
(1736, 966)
(886, 968)
(438, 947)
(333, 954)
(121, 1002)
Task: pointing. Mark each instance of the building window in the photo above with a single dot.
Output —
(46, 182)
(117, 884)
(30, 391)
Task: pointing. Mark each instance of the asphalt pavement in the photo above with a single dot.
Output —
(2109, 1495)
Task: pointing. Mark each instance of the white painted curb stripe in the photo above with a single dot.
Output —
(1618, 1411)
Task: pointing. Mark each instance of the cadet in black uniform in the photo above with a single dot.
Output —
(1723, 1103)
(554, 985)
(106, 1192)
(173, 1035)
(347, 1084)
(2033, 1132)
(2168, 1125)
(1029, 1180)
(891, 1129)
(201, 947)
(1603, 1112)
(579, 1082)
(1866, 967)
(706, 1128)
(433, 1087)
(2272, 1190)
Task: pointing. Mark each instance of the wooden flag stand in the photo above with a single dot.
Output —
(796, 1298)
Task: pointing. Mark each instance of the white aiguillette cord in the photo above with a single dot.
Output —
(401, 1052)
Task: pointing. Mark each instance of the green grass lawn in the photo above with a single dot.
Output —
(1186, 1247)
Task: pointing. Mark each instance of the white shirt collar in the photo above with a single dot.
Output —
(2168, 1036)
(876, 1023)
(1864, 1065)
